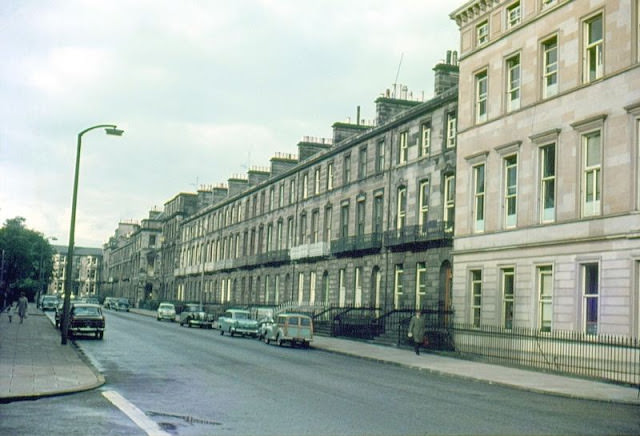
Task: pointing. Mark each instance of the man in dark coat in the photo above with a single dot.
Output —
(417, 331)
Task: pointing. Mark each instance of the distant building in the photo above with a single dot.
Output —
(87, 263)
(132, 267)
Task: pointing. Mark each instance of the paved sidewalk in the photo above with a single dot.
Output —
(34, 364)
(489, 373)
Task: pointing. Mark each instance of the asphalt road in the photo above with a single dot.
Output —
(197, 382)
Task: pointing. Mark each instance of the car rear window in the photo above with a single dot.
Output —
(86, 311)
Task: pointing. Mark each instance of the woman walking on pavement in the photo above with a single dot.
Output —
(417, 331)
(22, 306)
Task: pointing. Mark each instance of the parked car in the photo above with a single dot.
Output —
(194, 315)
(166, 311)
(49, 302)
(122, 304)
(109, 303)
(264, 324)
(292, 328)
(238, 321)
(91, 300)
(85, 319)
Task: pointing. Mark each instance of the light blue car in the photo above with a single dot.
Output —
(238, 322)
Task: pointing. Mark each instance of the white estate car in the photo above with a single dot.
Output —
(166, 311)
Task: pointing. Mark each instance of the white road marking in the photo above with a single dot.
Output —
(136, 415)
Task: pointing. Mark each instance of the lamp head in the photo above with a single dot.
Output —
(114, 131)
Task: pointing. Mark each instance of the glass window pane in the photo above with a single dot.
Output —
(595, 29)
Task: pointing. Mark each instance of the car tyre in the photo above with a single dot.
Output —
(280, 341)
(267, 340)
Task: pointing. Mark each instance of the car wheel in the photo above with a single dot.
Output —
(280, 341)
(158, 318)
(221, 332)
(231, 332)
(266, 339)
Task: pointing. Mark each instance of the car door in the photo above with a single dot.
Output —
(279, 328)
(294, 327)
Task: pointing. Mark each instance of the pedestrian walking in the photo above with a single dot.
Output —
(417, 331)
(10, 310)
(22, 306)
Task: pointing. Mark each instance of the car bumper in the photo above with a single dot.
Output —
(199, 322)
(86, 329)
(245, 331)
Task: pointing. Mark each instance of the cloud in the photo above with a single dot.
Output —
(67, 70)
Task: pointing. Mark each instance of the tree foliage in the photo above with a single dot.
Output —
(25, 260)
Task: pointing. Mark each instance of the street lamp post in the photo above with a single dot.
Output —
(110, 129)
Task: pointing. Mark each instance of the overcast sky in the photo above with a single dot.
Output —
(203, 89)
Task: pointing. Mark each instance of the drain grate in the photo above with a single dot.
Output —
(185, 418)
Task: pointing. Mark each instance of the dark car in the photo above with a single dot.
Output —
(122, 304)
(92, 300)
(194, 315)
(86, 319)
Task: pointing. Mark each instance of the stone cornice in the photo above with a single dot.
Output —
(471, 10)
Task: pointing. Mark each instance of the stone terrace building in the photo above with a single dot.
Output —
(175, 210)
(133, 269)
(363, 219)
(547, 219)
(87, 264)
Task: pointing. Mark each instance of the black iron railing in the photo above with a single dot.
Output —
(604, 357)
(386, 327)
(349, 244)
(433, 231)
